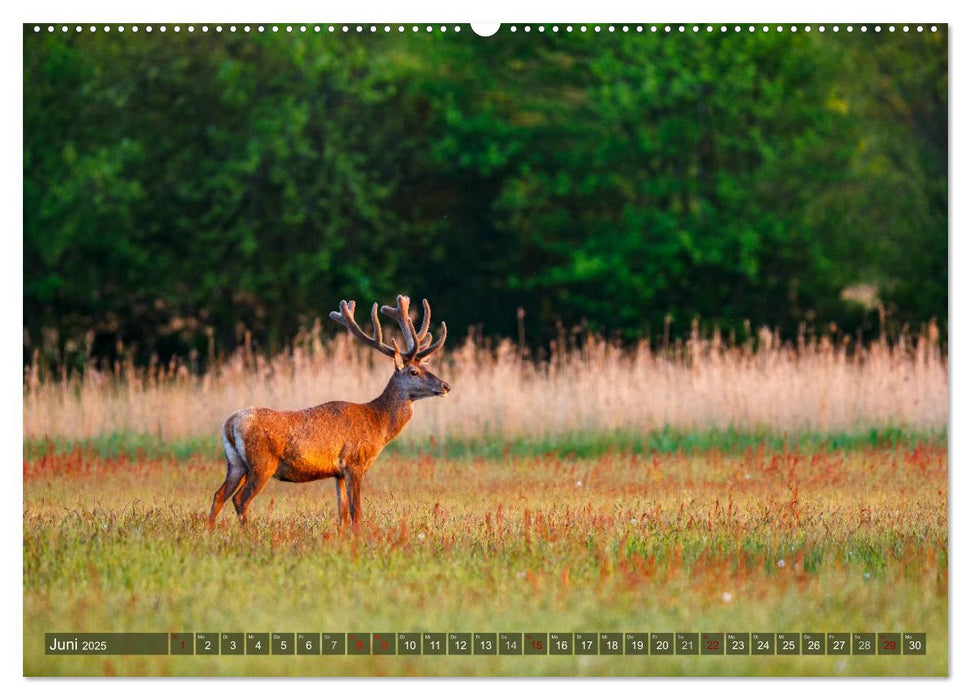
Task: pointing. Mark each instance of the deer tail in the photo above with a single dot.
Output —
(233, 444)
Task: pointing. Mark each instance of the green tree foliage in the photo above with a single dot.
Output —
(181, 185)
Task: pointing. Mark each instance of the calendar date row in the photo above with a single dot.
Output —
(491, 643)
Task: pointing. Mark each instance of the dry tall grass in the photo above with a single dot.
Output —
(815, 385)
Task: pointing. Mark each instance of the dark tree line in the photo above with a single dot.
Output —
(185, 189)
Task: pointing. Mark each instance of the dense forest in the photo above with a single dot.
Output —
(184, 190)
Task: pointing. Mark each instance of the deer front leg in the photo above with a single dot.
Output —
(342, 504)
(354, 478)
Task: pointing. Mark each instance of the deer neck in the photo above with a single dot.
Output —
(394, 408)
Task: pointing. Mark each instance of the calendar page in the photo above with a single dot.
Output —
(524, 349)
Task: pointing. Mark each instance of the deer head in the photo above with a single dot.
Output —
(412, 379)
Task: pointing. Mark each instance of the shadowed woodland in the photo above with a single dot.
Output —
(184, 193)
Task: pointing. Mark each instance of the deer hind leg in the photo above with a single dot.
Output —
(235, 476)
(253, 484)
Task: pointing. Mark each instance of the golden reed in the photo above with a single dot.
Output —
(823, 385)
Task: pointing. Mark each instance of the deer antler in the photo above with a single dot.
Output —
(345, 317)
(425, 320)
(418, 342)
(425, 345)
(424, 339)
(401, 317)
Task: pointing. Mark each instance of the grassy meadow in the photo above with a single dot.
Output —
(709, 487)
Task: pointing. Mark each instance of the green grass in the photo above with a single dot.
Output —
(709, 541)
(580, 445)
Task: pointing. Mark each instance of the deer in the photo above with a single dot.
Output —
(337, 439)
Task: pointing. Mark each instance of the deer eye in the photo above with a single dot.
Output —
(413, 372)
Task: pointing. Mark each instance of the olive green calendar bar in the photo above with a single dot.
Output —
(114, 643)
(634, 643)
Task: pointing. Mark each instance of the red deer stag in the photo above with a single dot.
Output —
(335, 439)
